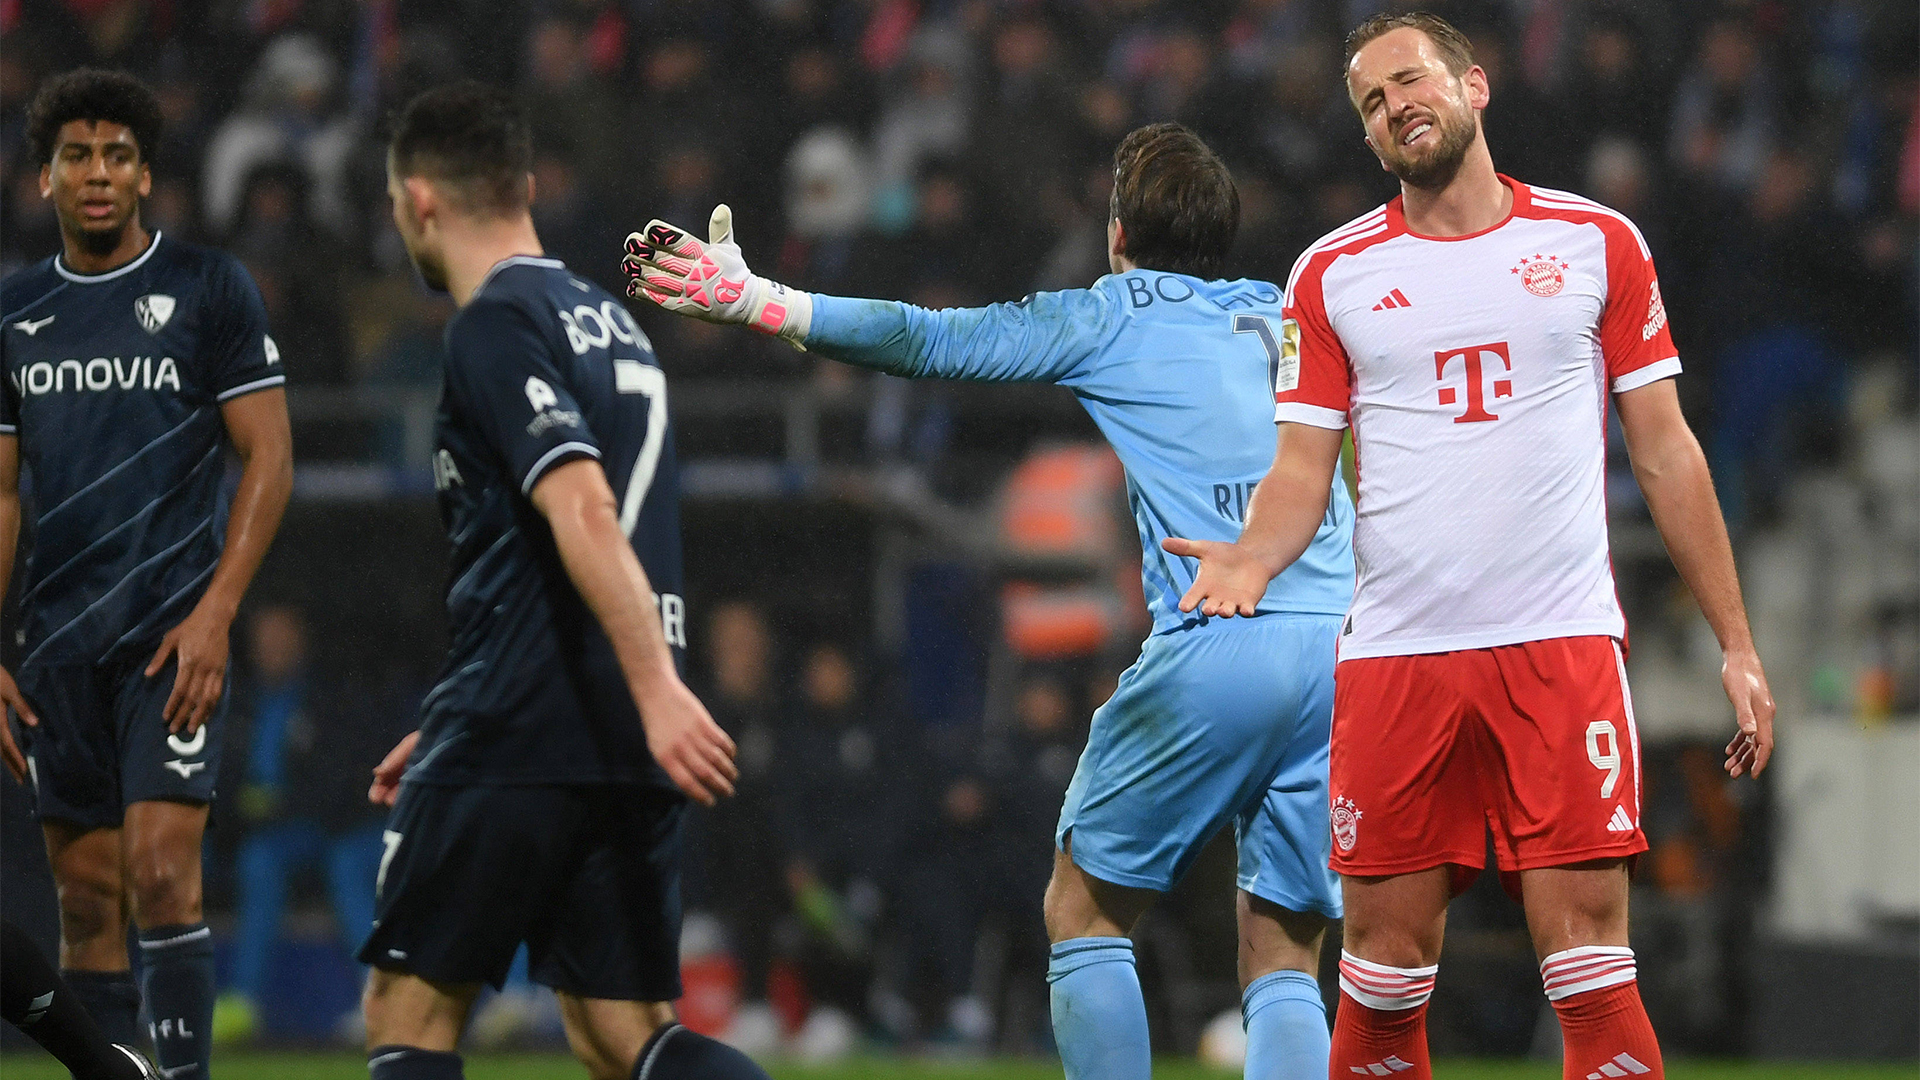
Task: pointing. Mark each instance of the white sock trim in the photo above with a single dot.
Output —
(1389, 989)
(1587, 967)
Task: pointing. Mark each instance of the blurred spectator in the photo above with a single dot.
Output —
(289, 115)
(298, 269)
(828, 207)
(927, 118)
(574, 226)
(303, 799)
(836, 794)
(1724, 119)
(737, 868)
(574, 110)
(946, 886)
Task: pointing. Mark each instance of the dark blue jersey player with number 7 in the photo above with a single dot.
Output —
(1219, 721)
(541, 800)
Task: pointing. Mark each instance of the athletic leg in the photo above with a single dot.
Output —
(1099, 1016)
(1392, 950)
(93, 925)
(162, 853)
(1285, 1016)
(413, 1026)
(34, 999)
(1567, 816)
(1578, 918)
(1287, 893)
(618, 1040)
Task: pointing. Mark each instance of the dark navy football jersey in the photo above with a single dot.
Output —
(543, 368)
(113, 383)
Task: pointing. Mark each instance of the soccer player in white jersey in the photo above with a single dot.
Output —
(1469, 332)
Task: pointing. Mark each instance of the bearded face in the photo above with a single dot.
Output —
(1425, 151)
(1420, 116)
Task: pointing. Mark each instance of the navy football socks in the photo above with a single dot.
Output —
(112, 999)
(176, 978)
(408, 1063)
(675, 1053)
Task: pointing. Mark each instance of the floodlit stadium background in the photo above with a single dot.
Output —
(905, 599)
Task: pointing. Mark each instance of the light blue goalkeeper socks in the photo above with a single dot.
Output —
(1286, 1022)
(1099, 1017)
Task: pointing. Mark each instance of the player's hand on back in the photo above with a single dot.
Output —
(669, 266)
(12, 698)
(1753, 709)
(198, 647)
(386, 775)
(1231, 580)
(696, 753)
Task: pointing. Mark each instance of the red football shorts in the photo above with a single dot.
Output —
(1534, 740)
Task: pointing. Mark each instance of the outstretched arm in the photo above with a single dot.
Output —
(1043, 338)
(579, 506)
(1282, 518)
(1673, 476)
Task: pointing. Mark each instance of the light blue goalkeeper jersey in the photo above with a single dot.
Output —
(1177, 372)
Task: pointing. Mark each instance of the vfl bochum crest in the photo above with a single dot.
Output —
(154, 310)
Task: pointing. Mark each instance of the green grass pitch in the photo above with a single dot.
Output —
(32, 1065)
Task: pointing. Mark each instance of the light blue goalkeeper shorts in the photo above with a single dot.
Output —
(1227, 721)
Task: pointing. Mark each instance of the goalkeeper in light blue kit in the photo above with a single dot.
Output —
(1219, 720)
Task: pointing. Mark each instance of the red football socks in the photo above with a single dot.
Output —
(1602, 1021)
(1381, 1027)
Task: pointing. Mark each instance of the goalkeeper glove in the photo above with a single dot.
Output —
(711, 281)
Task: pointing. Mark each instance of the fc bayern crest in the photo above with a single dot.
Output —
(1346, 823)
(154, 309)
(1543, 275)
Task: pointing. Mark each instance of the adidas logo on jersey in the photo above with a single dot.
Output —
(1391, 1065)
(99, 373)
(1621, 1065)
(1620, 822)
(1394, 299)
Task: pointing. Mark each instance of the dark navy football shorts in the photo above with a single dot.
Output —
(103, 743)
(588, 876)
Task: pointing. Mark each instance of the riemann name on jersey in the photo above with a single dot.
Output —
(97, 374)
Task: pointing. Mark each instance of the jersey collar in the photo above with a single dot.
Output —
(60, 265)
(1522, 200)
(518, 260)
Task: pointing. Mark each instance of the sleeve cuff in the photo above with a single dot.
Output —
(249, 387)
(1299, 412)
(9, 429)
(564, 452)
(1651, 373)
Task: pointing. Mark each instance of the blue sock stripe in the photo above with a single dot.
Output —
(1280, 986)
(1075, 953)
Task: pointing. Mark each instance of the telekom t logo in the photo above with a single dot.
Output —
(1476, 393)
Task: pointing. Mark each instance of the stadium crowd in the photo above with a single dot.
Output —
(954, 152)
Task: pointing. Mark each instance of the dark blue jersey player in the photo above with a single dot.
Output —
(541, 800)
(132, 361)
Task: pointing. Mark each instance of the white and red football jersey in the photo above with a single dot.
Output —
(1474, 372)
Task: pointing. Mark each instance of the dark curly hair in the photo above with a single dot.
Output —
(473, 139)
(93, 94)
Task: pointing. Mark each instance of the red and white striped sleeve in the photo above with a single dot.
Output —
(1634, 337)
(1314, 382)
